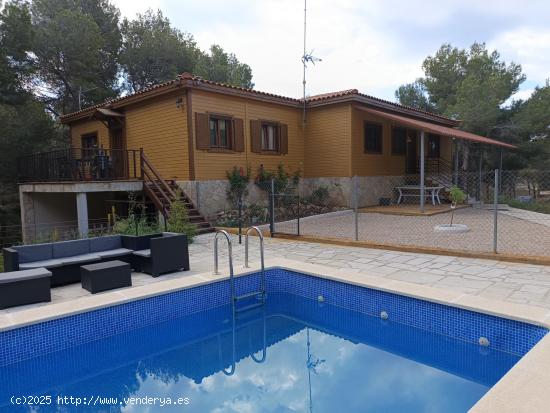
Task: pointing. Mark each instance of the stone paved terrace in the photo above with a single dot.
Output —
(499, 280)
(519, 232)
(512, 282)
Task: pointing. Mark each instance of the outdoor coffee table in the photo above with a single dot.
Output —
(105, 276)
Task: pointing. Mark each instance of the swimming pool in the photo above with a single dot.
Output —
(295, 353)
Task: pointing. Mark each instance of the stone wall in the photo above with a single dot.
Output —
(372, 188)
(210, 197)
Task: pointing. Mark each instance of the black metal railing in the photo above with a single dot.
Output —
(80, 164)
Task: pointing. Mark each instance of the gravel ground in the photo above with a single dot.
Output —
(516, 235)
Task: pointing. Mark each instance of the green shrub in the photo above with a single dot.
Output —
(542, 206)
(238, 184)
(284, 182)
(136, 223)
(457, 195)
(178, 220)
(256, 213)
(320, 196)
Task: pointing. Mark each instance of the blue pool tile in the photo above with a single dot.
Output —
(55, 335)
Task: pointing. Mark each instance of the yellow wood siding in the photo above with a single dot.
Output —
(210, 165)
(89, 126)
(160, 128)
(383, 164)
(332, 145)
(328, 141)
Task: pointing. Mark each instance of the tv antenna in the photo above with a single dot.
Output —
(306, 58)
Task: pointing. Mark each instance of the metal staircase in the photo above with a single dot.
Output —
(440, 172)
(161, 193)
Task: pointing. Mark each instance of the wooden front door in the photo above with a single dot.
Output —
(411, 162)
(119, 158)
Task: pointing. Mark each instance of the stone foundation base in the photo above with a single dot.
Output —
(210, 197)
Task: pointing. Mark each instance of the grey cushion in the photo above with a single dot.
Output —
(105, 265)
(80, 259)
(37, 252)
(14, 276)
(143, 253)
(110, 242)
(114, 253)
(71, 248)
(53, 263)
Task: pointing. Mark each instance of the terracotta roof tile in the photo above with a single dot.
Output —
(331, 95)
(197, 81)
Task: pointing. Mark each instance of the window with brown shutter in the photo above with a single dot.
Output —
(238, 128)
(255, 136)
(268, 137)
(373, 137)
(284, 138)
(219, 132)
(202, 131)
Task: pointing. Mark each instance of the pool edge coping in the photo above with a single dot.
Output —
(519, 312)
(523, 388)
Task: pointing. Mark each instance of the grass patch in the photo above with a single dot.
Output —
(536, 206)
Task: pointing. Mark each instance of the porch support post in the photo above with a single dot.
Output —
(422, 177)
(500, 170)
(82, 213)
(480, 173)
(456, 162)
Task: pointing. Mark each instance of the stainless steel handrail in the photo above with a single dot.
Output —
(261, 236)
(230, 254)
(261, 245)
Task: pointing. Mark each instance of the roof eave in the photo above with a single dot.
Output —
(119, 103)
(386, 106)
(258, 96)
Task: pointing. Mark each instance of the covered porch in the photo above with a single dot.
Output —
(417, 160)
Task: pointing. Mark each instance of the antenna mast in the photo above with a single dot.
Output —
(304, 62)
(306, 57)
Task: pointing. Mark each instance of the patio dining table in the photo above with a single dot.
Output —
(413, 191)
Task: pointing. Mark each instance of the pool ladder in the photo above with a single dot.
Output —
(234, 297)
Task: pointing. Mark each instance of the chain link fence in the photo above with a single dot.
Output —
(506, 212)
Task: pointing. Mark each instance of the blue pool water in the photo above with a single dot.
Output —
(293, 354)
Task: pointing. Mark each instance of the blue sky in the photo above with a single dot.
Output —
(371, 45)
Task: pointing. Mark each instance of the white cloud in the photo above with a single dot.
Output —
(528, 46)
(522, 94)
(371, 45)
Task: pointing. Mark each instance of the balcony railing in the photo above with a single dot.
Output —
(80, 164)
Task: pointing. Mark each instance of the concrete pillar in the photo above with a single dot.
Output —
(422, 178)
(28, 221)
(82, 213)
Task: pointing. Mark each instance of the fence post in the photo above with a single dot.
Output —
(240, 219)
(272, 208)
(495, 212)
(298, 224)
(356, 207)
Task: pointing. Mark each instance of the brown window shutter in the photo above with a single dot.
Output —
(284, 138)
(202, 131)
(238, 135)
(255, 136)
